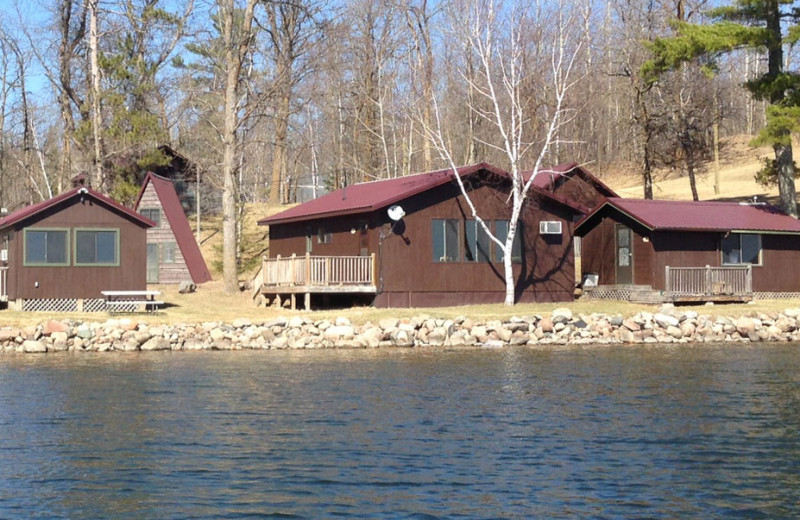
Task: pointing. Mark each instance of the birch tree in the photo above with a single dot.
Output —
(498, 38)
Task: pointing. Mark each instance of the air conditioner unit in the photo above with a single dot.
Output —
(3, 255)
(550, 227)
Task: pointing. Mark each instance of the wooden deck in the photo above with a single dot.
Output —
(686, 285)
(709, 284)
(309, 275)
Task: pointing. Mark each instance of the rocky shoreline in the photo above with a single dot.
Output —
(561, 327)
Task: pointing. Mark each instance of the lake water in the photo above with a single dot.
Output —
(689, 432)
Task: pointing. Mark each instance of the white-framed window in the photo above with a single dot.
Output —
(741, 248)
(501, 232)
(324, 236)
(550, 227)
(478, 244)
(445, 236)
(168, 252)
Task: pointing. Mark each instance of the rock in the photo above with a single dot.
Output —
(155, 343)
(31, 346)
(372, 336)
(745, 326)
(665, 320)
(631, 325)
(186, 287)
(336, 332)
(84, 332)
(674, 331)
(240, 323)
(626, 335)
(561, 315)
(217, 335)
(54, 326)
(494, 343)
(546, 324)
(388, 323)
(616, 320)
(401, 338)
(342, 321)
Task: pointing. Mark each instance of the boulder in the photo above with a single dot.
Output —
(186, 287)
(745, 326)
(665, 320)
(31, 346)
(54, 326)
(561, 315)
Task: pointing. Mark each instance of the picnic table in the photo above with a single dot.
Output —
(132, 301)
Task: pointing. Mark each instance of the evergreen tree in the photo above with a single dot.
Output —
(748, 24)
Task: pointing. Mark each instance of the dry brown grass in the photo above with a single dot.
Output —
(211, 304)
(738, 166)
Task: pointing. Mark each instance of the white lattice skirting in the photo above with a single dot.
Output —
(65, 305)
(51, 305)
(776, 296)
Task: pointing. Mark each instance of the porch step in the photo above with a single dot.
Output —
(632, 293)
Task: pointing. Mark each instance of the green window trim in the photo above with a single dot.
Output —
(25, 261)
(116, 261)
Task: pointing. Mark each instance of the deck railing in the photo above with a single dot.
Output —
(316, 271)
(3, 284)
(709, 281)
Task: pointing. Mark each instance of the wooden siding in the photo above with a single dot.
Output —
(778, 273)
(408, 276)
(168, 273)
(577, 189)
(78, 281)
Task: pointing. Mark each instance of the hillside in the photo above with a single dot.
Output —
(738, 165)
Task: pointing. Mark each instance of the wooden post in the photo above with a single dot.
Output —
(294, 300)
(308, 268)
(374, 273)
(667, 281)
(292, 273)
(327, 270)
(708, 280)
(749, 279)
(307, 302)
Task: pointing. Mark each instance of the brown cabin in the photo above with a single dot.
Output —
(573, 183)
(412, 242)
(59, 254)
(173, 255)
(689, 250)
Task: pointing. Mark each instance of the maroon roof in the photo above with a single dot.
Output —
(82, 191)
(179, 225)
(371, 196)
(546, 177)
(676, 215)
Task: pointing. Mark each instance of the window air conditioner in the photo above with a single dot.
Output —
(550, 227)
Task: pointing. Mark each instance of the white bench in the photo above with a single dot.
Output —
(132, 301)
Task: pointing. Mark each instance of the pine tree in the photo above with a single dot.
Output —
(748, 24)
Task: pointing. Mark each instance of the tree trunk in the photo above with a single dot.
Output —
(281, 129)
(235, 52)
(96, 177)
(784, 163)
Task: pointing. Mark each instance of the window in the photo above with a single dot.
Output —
(324, 237)
(501, 232)
(477, 242)
(46, 246)
(741, 248)
(153, 214)
(96, 247)
(445, 240)
(168, 252)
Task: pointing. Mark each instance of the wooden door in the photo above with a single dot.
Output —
(152, 263)
(624, 255)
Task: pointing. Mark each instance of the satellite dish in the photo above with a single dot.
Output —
(396, 212)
